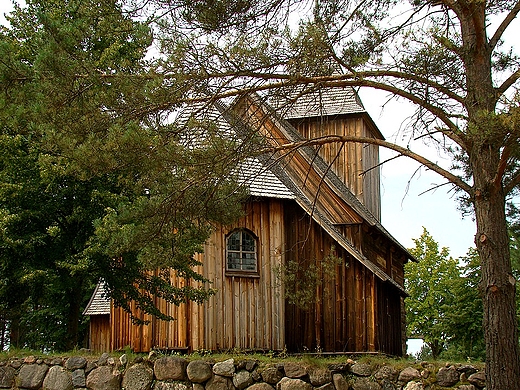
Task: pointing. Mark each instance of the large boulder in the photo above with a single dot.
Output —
(447, 376)
(104, 378)
(225, 368)
(293, 384)
(31, 376)
(170, 368)
(260, 386)
(365, 384)
(340, 383)
(361, 369)
(171, 386)
(218, 382)
(58, 378)
(75, 362)
(409, 374)
(414, 386)
(294, 370)
(138, 377)
(320, 376)
(386, 372)
(7, 375)
(242, 379)
(478, 379)
(198, 371)
(272, 375)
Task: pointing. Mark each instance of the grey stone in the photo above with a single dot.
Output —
(251, 365)
(198, 371)
(102, 361)
(30, 360)
(225, 368)
(338, 367)
(272, 375)
(169, 386)
(123, 359)
(447, 376)
(320, 376)
(90, 367)
(409, 374)
(75, 362)
(170, 368)
(31, 376)
(340, 383)
(138, 377)
(388, 385)
(467, 369)
(293, 384)
(104, 378)
(79, 379)
(58, 378)
(257, 377)
(218, 382)
(260, 386)
(478, 379)
(365, 384)
(386, 372)
(361, 369)
(414, 386)
(16, 364)
(7, 375)
(294, 370)
(328, 386)
(242, 379)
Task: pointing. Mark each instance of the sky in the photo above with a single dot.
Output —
(408, 200)
(407, 205)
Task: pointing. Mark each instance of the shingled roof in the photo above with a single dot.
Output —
(316, 102)
(99, 303)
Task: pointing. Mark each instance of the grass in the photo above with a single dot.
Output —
(263, 359)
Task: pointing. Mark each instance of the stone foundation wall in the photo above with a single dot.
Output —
(176, 373)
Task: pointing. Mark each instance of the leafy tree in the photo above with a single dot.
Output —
(464, 316)
(430, 285)
(92, 186)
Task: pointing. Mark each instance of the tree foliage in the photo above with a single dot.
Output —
(430, 283)
(91, 184)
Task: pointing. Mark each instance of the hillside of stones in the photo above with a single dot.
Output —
(160, 372)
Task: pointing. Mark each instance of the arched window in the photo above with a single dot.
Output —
(241, 252)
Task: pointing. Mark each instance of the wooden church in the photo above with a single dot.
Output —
(309, 267)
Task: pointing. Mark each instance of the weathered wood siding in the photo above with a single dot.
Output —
(354, 163)
(354, 310)
(246, 312)
(99, 333)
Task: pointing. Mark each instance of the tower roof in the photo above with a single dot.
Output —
(316, 102)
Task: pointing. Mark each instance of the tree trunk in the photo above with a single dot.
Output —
(498, 284)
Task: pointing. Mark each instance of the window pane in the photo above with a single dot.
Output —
(234, 242)
(248, 242)
(241, 252)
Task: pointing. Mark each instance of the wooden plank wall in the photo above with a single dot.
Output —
(247, 312)
(351, 162)
(99, 329)
(348, 313)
